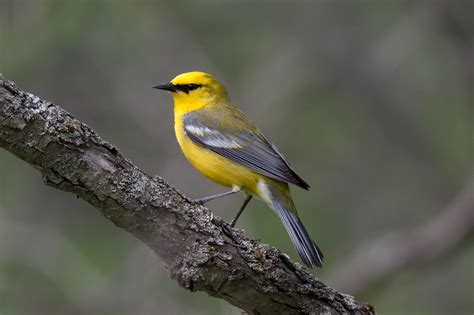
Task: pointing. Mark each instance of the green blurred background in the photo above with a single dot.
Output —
(371, 101)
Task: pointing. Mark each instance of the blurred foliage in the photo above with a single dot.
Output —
(370, 101)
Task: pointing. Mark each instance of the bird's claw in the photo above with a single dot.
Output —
(199, 201)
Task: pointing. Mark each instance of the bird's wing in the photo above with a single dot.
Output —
(229, 133)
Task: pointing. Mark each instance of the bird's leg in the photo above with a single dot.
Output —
(246, 202)
(209, 198)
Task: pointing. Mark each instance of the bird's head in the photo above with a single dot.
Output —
(194, 90)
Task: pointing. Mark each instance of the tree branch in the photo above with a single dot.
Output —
(385, 257)
(201, 251)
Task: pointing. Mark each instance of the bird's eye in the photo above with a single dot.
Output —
(192, 86)
(186, 88)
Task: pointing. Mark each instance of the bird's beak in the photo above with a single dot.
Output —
(167, 87)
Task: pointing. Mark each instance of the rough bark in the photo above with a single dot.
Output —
(202, 252)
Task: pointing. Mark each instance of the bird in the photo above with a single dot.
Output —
(221, 142)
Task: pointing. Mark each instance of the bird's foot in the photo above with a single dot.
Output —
(200, 201)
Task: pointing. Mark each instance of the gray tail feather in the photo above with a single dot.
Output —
(309, 252)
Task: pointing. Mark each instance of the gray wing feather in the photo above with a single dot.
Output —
(249, 149)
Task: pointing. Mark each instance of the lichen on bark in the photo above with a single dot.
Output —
(202, 252)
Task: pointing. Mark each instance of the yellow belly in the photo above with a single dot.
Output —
(217, 168)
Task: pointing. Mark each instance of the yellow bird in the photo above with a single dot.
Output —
(224, 145)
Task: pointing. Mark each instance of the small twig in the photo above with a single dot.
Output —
(383, 258)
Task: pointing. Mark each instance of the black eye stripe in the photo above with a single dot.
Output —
(192, 86)
(186, 88)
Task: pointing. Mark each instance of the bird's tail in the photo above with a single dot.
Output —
(283, 205)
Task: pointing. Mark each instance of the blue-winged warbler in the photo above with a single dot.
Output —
(224, 145)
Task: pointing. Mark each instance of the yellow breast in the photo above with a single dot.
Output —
(215, 167)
